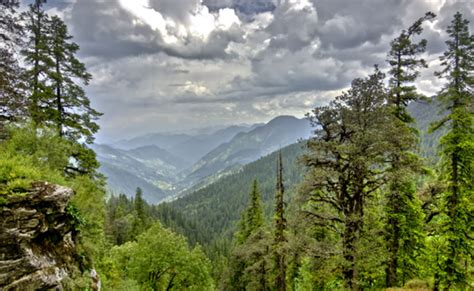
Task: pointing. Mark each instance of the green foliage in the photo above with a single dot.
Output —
(248, 260)
(348, 164)
(453, 240)
(404, 62)
(404, 224)
(252, 218)
(161, 259)
(27, 157)
(56, 100)
(31, 155)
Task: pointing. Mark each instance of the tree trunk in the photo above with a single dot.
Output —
(59, 99)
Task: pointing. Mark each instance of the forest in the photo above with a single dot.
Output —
(367, 203)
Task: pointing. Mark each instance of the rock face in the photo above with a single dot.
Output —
(37, 249)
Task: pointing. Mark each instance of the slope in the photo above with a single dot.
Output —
(248, 147)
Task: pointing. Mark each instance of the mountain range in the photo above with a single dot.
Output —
(167, 166)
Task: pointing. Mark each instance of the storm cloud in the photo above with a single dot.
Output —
(163, 65)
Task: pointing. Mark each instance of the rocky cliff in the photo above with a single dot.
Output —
(37, 239)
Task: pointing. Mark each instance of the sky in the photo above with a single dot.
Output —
(168, 65)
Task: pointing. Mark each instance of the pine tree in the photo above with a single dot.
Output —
(37, 57)
(56, 98)
(72, 113)
(252, 218)
(347, 163)
(279, 239)
(140, 217)
(12, 97)
(405, 62)
(249, 256)
(139, 205)
(457, 152)
(404, 237)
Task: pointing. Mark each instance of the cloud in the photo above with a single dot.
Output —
(166, 64)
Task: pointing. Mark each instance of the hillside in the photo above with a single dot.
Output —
(248, 147)
(425, 113)
(218, 205)
(127, 170)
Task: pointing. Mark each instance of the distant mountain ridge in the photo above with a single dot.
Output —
(169, 164)
(247, 147)
(187, 163)
(186, 146)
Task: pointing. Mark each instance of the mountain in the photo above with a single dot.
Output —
(122, 181)
(167, 173)
(246, 147)
(150, 168)
(162, 140)
(190, 148)
(197, 146)
(154, 156)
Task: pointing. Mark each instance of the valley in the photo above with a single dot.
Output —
(165, 166)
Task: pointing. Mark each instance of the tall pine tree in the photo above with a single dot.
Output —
(279, 224)
(37, 57)
(12, 97)
(404, 236)
(248, 262)
(72, 113)
(56, 98)
(457, 152)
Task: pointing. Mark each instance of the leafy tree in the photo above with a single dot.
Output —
(404, 235)
(457, 152)
(161, 260)
(279, 239)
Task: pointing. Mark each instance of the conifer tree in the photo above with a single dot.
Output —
(457, 153)
(72, 113)
(404, 236)
(249, 256)
(139, 205)
(405, 62)
(253, 216)
(347, 163)
(56, 99)
(37, 57)
(279, 239)
(12, 97)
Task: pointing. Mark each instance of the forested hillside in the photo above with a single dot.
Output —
(218, 206)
